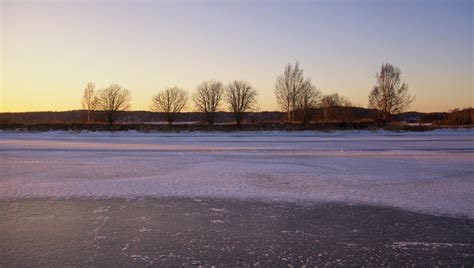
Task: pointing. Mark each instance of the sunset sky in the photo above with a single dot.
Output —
(51, 49)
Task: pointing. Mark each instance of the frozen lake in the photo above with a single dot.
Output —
(432, 172)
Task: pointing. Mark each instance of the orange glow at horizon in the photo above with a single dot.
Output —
(51, 50)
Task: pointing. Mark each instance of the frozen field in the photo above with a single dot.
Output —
(431, 172)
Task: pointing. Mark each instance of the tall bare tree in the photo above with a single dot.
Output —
(170, 101)
(241, 97)
(89, 100)
(389, 95)
(287, 87)
(112, 100)
(207, 99)
(307, 100)
(331, 102)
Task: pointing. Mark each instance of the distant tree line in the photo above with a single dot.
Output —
(359, 118)
(457, 117)
(295, 93)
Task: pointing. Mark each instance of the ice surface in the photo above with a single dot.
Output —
(424, 171)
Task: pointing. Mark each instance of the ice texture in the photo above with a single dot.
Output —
(432, 172)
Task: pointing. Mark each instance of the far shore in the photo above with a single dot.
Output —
(228, 127)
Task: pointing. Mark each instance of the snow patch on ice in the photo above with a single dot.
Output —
(218, 210)
(427, 244)
(431, 171)
(101, 210)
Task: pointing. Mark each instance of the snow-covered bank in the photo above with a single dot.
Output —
(423, 171)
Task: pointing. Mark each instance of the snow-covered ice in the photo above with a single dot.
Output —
(431, 172)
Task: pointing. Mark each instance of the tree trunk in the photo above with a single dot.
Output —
(238, 119)
(210, 119)
(110, 118)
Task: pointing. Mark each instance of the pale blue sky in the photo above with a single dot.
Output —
(51, 49)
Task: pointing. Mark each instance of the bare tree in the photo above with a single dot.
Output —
(89, 100)
(287, 87)
(334, 100)
(330, 103)
(307, 100)
(389, 95)
(207, 99)
(170, 101)
(241, 97)
(112, 100)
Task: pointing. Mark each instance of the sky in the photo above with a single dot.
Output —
(51, 49)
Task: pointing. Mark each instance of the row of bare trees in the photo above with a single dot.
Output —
(295, 93)
(208, 98)
(299, 98)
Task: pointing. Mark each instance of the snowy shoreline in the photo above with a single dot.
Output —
(295, 133)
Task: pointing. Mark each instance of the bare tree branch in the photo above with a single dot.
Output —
(170, 101)
(241, 97)
(330, 104)
(112, 100)
(307, 100)
(207, 99)
(89, 100)
(389, 96)
(287, 88)
(295, 92)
